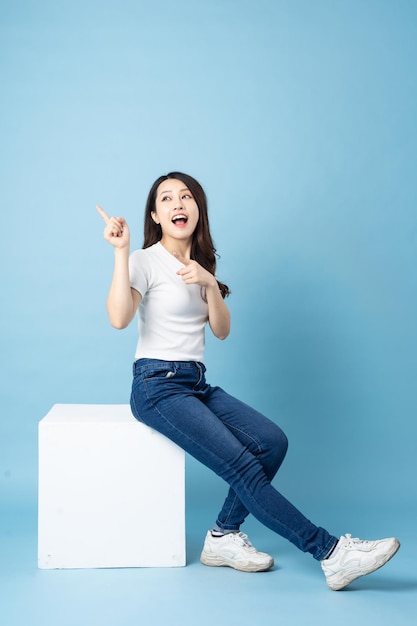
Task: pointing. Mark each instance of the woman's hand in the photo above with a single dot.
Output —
(116, 231)
(194, 274)
(218, 314)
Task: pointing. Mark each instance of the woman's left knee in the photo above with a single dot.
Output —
(282, 440)
(279, 443)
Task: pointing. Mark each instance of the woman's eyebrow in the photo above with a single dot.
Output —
(170, 191)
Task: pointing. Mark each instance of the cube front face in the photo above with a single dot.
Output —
(111, 491)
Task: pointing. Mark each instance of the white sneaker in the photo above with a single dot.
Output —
(354, 558)
(234, 550)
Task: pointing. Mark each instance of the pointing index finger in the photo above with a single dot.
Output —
(103, 214)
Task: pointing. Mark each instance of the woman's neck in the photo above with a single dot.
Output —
(182, 247)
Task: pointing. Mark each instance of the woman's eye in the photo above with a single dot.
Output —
(165, 198)
(187, 196)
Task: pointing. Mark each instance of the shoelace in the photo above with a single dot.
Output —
(244, 539)
(352, 541)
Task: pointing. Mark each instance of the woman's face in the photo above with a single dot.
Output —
(175, 210)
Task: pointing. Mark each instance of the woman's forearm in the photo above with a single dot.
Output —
(219, 316)
(121, 302)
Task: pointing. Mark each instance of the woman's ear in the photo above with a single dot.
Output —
(155, 217)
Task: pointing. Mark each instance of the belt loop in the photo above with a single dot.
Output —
(200, 372)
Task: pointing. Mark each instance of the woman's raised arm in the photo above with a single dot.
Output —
(123, 300)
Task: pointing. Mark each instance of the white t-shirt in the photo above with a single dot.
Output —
(172, 315)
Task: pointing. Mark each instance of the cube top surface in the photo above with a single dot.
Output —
(111, 413)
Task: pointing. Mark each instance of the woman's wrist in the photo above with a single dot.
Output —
(212, 285)
(122, 252)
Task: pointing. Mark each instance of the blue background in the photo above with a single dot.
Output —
(299, 119)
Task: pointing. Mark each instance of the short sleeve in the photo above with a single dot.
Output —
(139, 272)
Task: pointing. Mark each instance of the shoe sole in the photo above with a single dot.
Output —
(346, 580)
(215, 561)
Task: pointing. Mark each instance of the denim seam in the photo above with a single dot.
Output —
(232, 506)
(248, 435)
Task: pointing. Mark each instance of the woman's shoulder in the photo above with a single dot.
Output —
(142, 254)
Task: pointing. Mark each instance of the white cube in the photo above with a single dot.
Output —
(111, 491)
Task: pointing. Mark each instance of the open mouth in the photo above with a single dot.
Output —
(179, 220)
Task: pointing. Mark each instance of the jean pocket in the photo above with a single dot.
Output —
(156, 374)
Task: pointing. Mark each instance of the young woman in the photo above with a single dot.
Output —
(172, 285)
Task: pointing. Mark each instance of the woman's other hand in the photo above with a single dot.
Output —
(194, 274)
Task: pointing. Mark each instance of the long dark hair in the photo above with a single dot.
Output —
(202, 246)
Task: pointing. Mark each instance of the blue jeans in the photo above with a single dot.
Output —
(239, 444)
